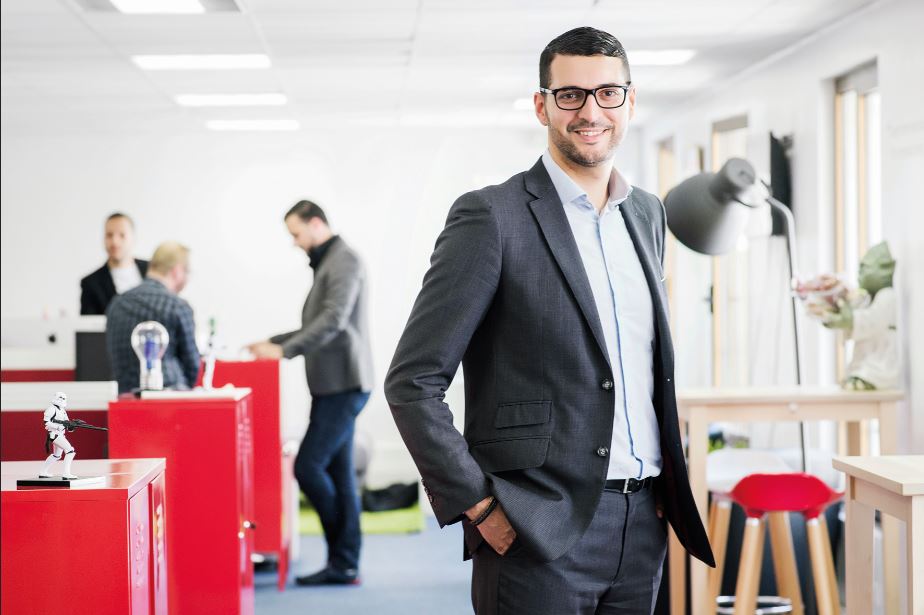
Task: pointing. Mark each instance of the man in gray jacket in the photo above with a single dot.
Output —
(548, 289)
(334, 339)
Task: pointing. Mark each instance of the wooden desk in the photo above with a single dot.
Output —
(894, 485)
(696, 409)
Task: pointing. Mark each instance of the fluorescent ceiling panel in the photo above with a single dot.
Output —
(202, 62)
(661, 57)
(230, 100)
(252, 125)
(152, 7)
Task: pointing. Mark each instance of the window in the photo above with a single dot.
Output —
(857, 166)
(730, 357)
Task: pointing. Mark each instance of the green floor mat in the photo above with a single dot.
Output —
(403, 521)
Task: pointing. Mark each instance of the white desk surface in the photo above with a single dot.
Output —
(784, 394)
(236, 394)
(36, 396)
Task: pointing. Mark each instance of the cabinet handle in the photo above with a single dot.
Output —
(250, 525)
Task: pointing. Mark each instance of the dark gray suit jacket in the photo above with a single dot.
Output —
(507, 295)
(334, 337)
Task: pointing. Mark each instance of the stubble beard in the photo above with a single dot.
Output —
(570, 151)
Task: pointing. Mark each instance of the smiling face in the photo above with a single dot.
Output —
(589, 136)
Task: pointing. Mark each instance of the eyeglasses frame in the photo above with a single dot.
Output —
(588, 93)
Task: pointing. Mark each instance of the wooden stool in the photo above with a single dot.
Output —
(725, 467)
(773, 496)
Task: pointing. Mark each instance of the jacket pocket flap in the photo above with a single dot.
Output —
(525, 413)
(514, 454)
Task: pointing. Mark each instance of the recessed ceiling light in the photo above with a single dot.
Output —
(251, 125)
(148, 7)
(230, 100)
(660, 57)
(202, 62)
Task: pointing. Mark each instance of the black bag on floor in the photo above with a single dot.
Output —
(393, 497)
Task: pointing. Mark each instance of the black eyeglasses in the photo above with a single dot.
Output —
(572, 99)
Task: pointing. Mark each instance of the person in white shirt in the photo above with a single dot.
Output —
(121, 272)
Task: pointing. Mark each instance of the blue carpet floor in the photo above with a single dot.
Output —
(401, 574)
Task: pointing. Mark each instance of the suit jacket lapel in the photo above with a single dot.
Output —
(550, 214)
(639, 228)
(108, 282)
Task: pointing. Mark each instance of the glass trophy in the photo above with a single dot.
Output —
(149, 340)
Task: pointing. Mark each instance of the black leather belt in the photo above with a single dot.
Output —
(628, 485)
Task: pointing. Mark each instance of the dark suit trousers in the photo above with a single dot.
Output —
(615, 567)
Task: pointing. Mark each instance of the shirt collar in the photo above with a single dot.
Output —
(152, 282)
(569, 191)
(316, 254)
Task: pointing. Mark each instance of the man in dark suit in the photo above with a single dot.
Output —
(549, 290)
(121, 272)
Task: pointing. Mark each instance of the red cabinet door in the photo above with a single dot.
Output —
(139, 552)
(158, 546)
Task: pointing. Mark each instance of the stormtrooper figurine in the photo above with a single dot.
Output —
(56, 438)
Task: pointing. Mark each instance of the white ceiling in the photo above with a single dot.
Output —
(368, 61)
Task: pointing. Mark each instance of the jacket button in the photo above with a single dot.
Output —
(607, 384)
(602, 451)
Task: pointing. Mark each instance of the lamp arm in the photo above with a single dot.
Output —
(790, 231)
(791, 250)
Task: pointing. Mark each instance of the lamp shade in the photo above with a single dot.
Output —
(707, 212)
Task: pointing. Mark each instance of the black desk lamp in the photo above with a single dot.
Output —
(707, 213)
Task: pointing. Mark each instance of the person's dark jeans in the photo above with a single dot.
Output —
(324, 470)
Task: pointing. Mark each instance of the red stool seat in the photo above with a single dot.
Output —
(796, 492)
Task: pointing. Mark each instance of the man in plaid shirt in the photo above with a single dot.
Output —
(155, 299)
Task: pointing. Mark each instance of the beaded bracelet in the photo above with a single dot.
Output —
(486, 512)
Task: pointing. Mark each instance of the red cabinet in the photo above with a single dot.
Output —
(272, 469)
(36, 375)
(208, 446)
(22, 404)
(22, 435)
(99, 549)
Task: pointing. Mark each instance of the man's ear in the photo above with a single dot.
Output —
(539, 103)
(631, 102)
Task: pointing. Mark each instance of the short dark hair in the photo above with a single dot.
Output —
(306, 210)
(118, 214)
(583, 41)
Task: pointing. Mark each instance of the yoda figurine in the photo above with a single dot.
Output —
(874, 364)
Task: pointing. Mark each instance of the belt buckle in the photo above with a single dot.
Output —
(625, 486)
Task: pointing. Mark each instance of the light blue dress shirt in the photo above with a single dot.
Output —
(626, 313)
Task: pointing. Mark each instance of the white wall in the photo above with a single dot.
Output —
(793, 94)
(386, 190)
